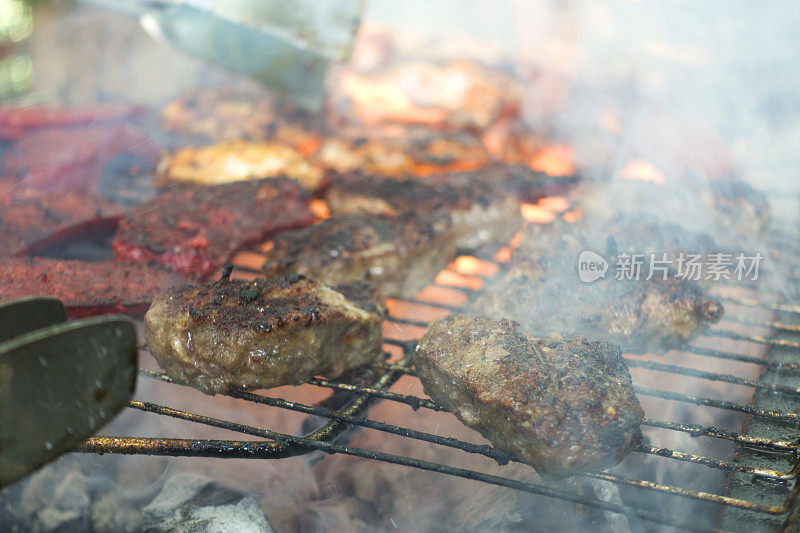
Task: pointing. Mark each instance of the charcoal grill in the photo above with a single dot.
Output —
(762, 492)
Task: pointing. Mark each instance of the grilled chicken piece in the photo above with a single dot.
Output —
(545, 294)
(30, 217)
(563, 405)
(237, 161)
(262, 333)
(481, 212)
(194, 230)
(86, 288)
(397, 255)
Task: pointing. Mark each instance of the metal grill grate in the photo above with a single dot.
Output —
(352, 399)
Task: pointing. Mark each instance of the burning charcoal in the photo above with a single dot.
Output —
(397, 255)
(264, 333)
(237, 161)
(189, 502)
(194, 230)
(560, 404)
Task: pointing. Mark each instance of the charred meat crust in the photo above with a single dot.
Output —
(194, 230)
(483, 206)
(561, 404)
(396, 255)
(262, 333)
(86, 288)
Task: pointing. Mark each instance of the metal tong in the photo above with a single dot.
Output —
(286, 45)
(59, 381)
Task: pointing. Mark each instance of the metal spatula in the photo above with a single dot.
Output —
(59, 381)
(287, 45)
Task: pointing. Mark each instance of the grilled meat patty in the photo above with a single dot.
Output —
(484, 205)
(86, 288)
(194, 230)
(262, 333)
(397, 255)
(544, 293)
(30, 217)
(560, 404)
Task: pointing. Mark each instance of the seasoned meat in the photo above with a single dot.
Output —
(73, 158)
(415, 153)
(262, 333)
(229, 113)
(86, 288)
(397, 255)
(194, 230)
(455, 95)
(546, 294)
(237, 161)
(30, 217)
(480, 212)
(563, 405)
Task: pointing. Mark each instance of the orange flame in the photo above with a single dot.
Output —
(555, 160)
(376, 101)
(545, 210)
(641, 170)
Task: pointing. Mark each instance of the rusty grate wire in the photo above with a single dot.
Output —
(355, 398)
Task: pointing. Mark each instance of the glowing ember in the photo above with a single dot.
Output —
(554, 203)
(572, 216)
(376, 101)
(555, 160)
(472, 266)
(454, 279)
(503, 255)
(319, 208)
(538, 215)
(642, 171)
(545, 210)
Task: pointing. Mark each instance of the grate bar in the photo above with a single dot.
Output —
(488, 451)
(792, 418)
(712, 376)
(141, 445)
(783, 343)
(698, 431)
(781, 326)
(717, 464)
(751, 302)
(772, 365)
